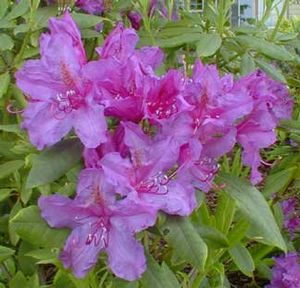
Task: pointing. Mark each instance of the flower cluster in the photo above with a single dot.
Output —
(150, 140)
(291, 216)
(286, 272)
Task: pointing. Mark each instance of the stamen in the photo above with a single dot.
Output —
(10, 109)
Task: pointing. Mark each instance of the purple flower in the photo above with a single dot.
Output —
(291, 216)
(271, 102)
(165, 97)
(121, 75)
(135, 19)
(286, 272)
(96, 7)
(148, 174)
(120, 43)
(99, 222)
(59, 94)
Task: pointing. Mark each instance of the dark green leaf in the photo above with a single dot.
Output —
(213, 237)
(208, 45)
(264, 47)
(4, 83)
(3, 7)
(19, 280)
(5, 253)
(242, 259)
(255, 208)
(86, 20)
(6, 43)
(158, 276)
(33, 229)
(187, 243)
(54, 162)
(179, 40)
(9, 167)
(4, 194)
(278, 181)
(61, 280)
(247, 64)
(18, 10)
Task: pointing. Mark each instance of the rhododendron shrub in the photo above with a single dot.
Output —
(151, 142)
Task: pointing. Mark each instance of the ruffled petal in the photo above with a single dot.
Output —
(90, 125)
(125, 254)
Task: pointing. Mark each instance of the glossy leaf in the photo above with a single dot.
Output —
(54, 162)
(208, 45)
(186, 242)
(158, 276)
(265, 47)
(6, 42)
(256, 209)
(9, 167)
(242, 259)
(5, 253)
(33, 229)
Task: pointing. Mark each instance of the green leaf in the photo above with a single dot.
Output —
(247, 64)
(62, 280)
(187, 243)
(253, 205)
(22, 28)
(9, 167)
(264, 47)
(19, 280)
(4, 83)
(271, 70)
(54, 162)
(179, 40)
(5, 24)
(18, 10)
(208, 45)
(33, 229)
(5, 253)
(43, 14)
(158, 276)
(5, 193)
(278, 181)
(120, 283)
(13, 128)
(44, 256)
(86, 20)
(224, 213)
(6, 43)
(213, 237)
(242, 259)
(238, 231)
(3, 7)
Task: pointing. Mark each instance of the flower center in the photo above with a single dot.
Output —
(163, 109)
(156, 184)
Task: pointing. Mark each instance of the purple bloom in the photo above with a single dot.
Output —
(96, 7)
(286, 272)
(121, 75)
(291, 216)
(99, 222)
(120, 43)
(135, 19)
(59, 93)
(165, 97)
(148, 174)
(271, 102)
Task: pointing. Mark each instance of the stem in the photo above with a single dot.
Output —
(280, 18)
(27, 36)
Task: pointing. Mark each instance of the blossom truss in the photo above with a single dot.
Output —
(164, 139)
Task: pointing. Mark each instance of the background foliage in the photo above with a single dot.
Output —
(231, 237)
